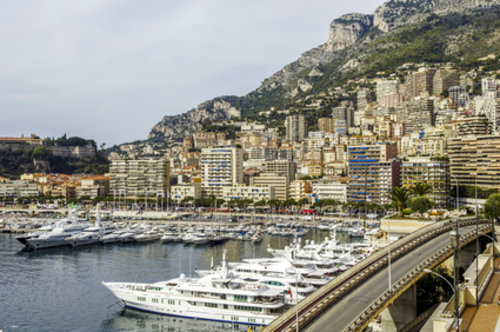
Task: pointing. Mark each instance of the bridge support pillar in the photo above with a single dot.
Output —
(401, 312)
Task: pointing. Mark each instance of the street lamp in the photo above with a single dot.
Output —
(440, 276)
(455, 242)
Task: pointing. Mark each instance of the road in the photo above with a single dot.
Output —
(349, 307)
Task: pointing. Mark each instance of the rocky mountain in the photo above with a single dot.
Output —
(175, 127)
(398, 30)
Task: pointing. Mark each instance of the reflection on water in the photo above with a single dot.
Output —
(132, 320)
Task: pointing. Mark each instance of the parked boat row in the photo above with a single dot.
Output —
(252, 291)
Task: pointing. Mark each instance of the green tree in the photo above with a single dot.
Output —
(492, 207)
(41, 153)
(420, 204)
(274, 203)
(262, 202)
(303, 202)
(421, 189)
(400, 197)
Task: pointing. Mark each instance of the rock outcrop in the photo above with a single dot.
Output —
(346, 30)
(175, 127)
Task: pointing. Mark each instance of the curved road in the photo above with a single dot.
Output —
(339, 316)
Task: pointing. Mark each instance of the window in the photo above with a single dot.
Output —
(171, 302)
(241, 298)
(211, 305)
(154, 300)
(140, 298)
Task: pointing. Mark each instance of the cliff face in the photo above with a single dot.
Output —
(346, 30)
(175, 127)
(343, 32)
(395, 13)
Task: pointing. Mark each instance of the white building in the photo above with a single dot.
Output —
(336, 190)
(243, 192)
(221, 167)
(180, 192)
(18, 188)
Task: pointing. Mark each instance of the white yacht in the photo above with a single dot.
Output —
(212, 297)
(57, 236)
(148, 236)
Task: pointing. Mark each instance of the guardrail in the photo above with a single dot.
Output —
(377, 306)
(319, 301)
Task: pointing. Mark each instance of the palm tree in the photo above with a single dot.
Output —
(421, 189)
(400, 197)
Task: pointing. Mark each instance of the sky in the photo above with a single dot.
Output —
(109, 70)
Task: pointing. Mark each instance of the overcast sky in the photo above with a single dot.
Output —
(111, 69)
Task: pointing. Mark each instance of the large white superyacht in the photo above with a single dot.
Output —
(213, 297)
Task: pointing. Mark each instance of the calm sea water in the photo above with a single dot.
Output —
(60, 289)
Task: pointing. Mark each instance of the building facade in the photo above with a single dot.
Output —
(433, 172)
(364, 170)
(139, 177)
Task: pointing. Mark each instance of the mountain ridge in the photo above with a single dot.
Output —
(319, 66)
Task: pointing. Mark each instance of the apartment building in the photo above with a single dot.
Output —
(139, 177)
(279, 182)
(93, 186)
(474, 159)
(364, 170)
(221, 167)
(281, 167)
(431, 171)
(254, 193)
(389, 175)
(179, 192)
(336, 190)
(18, 188)
(299, 189)
(296, 127)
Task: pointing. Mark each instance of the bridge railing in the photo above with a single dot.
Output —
(377, 306)
(317, 302)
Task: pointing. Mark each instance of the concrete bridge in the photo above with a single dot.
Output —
(353, 299)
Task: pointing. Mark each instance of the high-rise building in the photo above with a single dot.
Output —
(431, 171)
(325, 124)
(489, 105)
(488, 85)
(420, 82)
(475, 159)
(364, 170)
(387, 93)
(296, 128)
(444, 78)
(343, 119)
(281, 167)
(362, 98)
(221, 167)
(389, 179)
(419, 114)
(456, 94)
(139, 177)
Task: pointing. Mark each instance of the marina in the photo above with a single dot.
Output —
(148, 262)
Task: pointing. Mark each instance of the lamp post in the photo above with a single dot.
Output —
(455, 242)
(440, 276)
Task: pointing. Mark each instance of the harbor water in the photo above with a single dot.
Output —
(60, 289)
